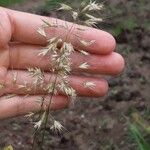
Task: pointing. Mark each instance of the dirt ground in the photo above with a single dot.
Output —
(99, 124)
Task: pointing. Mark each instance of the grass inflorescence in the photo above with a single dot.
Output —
(58, 51)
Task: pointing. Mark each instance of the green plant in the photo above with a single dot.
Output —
(139, 130)
(9, 2)
(8, 148)
(138, 137)
(129, 24)
(53, 4)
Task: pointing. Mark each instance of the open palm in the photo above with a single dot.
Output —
(20, 44)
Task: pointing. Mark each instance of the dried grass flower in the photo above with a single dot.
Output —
(84, 65)
(57, 127)
(59, 51)
(89, 84)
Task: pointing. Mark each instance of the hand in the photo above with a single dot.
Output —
(20, 44)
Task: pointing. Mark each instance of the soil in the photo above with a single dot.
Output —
(98, 124)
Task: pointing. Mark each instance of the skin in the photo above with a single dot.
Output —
(19, 45)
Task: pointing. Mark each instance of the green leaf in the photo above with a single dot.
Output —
(8, 148)
(139, 139)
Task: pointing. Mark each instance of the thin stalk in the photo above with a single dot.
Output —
(48, 111)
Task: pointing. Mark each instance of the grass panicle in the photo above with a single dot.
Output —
(58, 51)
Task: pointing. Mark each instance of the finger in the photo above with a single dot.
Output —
(23, 56)
(25, 26)
(21, 82)
(21, 105)
(5, 28)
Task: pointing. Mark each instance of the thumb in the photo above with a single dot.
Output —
(5, 28)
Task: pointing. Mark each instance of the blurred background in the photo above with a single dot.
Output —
(120, 120)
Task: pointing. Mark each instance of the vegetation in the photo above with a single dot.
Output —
(139, 131)
(9, 2)
(122, 21)
(137, 136)
(60, 64)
